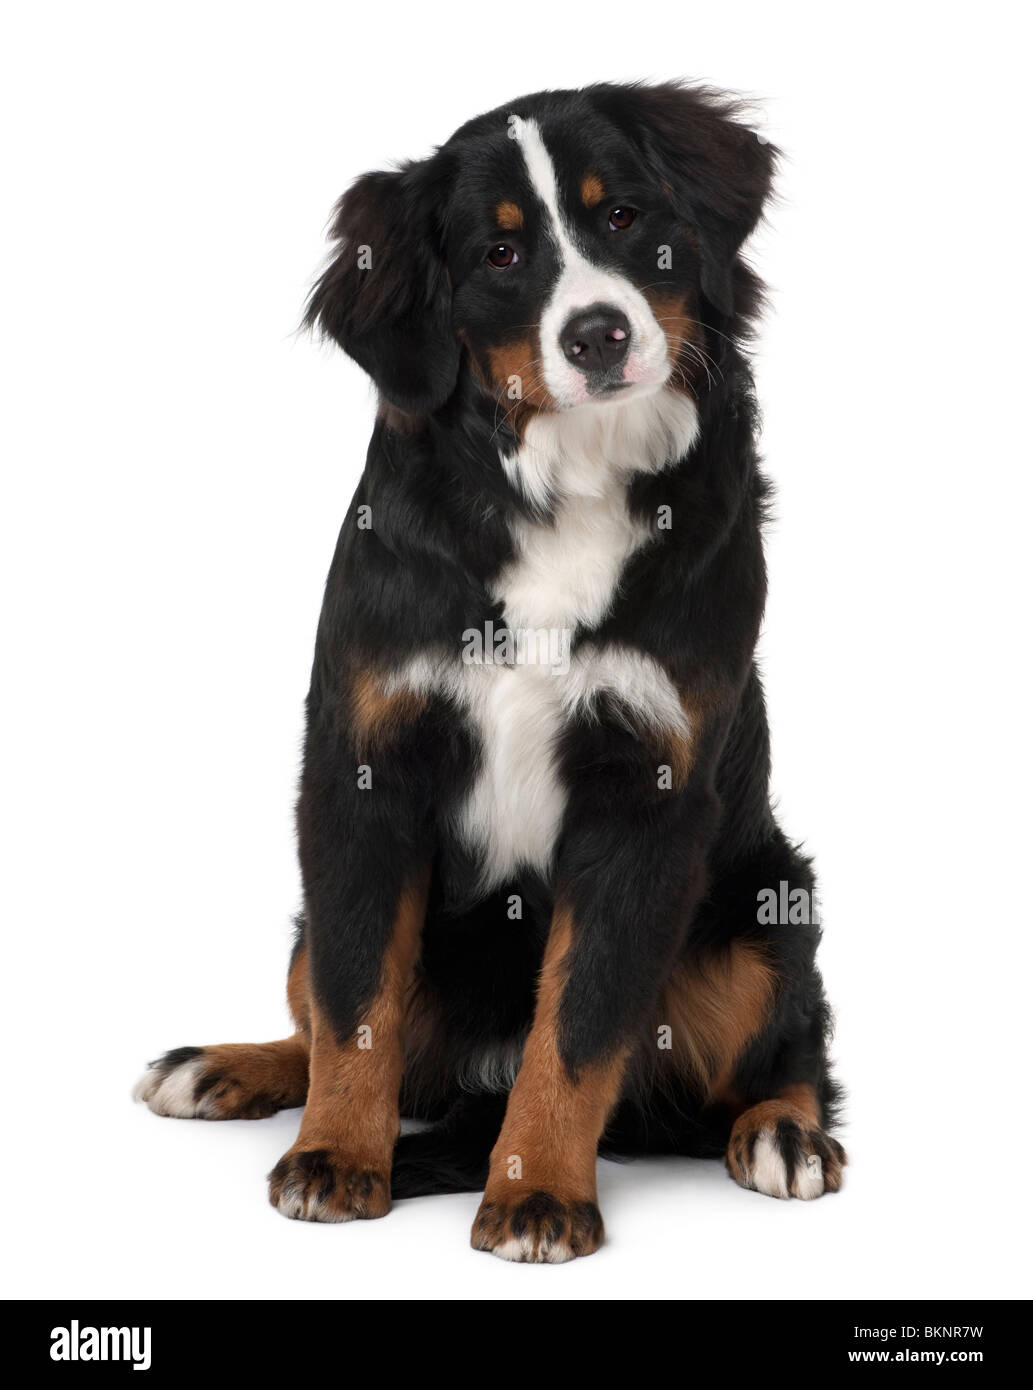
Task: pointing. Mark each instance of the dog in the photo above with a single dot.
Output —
(548, 909)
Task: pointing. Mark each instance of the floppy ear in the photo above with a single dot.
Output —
(385, 297)
(716, 172)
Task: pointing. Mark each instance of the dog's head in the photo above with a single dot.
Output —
(575, 249)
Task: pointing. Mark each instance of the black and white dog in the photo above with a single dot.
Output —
(538, 850)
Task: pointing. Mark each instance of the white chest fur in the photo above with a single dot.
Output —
(563, 577)
(513, 813)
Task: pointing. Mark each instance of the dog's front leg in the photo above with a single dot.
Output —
(630, 874)
(365, 858)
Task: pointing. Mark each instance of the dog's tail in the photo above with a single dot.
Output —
(452, 1155)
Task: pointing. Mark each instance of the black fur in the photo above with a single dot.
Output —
(652, 877)
(658, 877)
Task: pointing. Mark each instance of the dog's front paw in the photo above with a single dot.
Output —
(537, 1228)
(320, 1185)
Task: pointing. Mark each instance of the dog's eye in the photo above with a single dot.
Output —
(621, 218)
(502, 257)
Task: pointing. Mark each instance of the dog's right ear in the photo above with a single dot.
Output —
(385, 297)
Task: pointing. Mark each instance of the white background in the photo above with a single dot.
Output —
(176, 467)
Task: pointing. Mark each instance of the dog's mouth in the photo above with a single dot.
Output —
(617, 388)
(606, 390)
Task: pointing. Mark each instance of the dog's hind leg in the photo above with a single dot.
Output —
(751, 1026)
(231, 1081)
(746, 1031)
(236, 1081)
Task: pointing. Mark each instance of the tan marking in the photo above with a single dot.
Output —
(352, 1106)
(257, 1079)
(509, 216)
(592, 190)
(378, 713)
(553, 1122)
(513, 359)
(682, 332)
(706, 708)
(715, 1003)
(679, 755)
(518, 359)
(805, 1099)
(798, 1102)
(677, 747)
(354, 1100)
(298, 990)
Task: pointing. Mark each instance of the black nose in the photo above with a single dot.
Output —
(596, 339)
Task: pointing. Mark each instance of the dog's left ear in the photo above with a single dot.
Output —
(716, 171)
(385, 297)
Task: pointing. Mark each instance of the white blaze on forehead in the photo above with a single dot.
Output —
(541, 172)
(581, 284)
